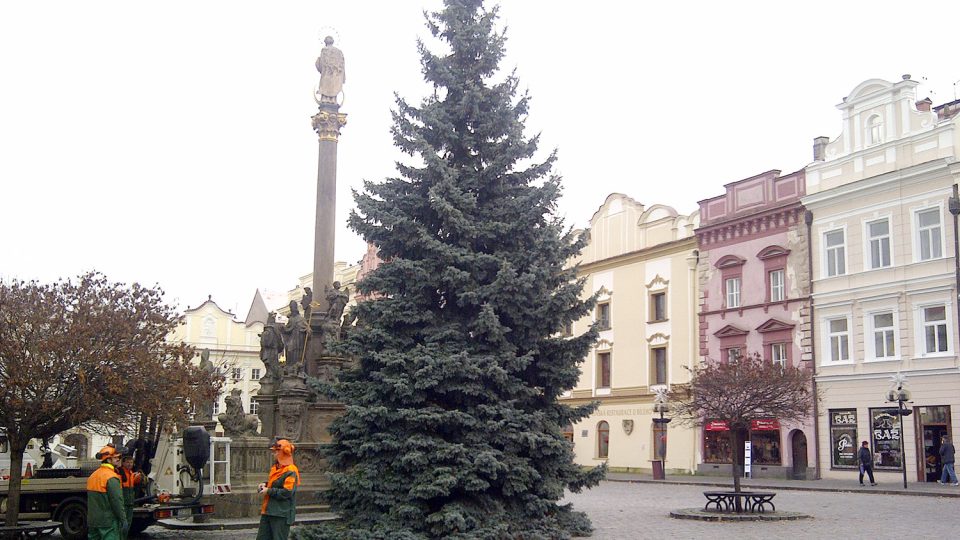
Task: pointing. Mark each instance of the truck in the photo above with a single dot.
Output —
(60, 494)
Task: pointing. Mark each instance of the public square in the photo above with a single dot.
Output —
(621, 510)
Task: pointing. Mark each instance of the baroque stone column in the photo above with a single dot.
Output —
(327, 123)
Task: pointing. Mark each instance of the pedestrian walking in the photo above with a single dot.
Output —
(947, 460)
(105, 516)
(279, 509)
(866, 463)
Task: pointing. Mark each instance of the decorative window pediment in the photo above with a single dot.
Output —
(660, 338)
(730, 261)
(658, 282)
(604, 345)
(774, 325)
(771, 252)
(730, 331)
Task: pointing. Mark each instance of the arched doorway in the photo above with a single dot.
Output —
(799, 444)
(79, 442)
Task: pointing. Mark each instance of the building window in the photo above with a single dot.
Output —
(732, 287)
(843, 439)
(659, 371)
(884, 335)
(603, 440)
(874, 130)
(603, 316)
(835, 253)
(237, 374)
(255, 374)
(733, 355)
(776, 285)
(216, 407)
(658, 306)
(568, 329)
(839, 333)
(929, 234)
(568, 432)
(878, 237)
(887, 447)
(254, 406)
(935, 329)
(778, 354)
(603, 369)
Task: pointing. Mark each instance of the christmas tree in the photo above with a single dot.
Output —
(453, 428)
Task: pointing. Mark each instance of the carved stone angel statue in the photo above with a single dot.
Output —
(332, 72)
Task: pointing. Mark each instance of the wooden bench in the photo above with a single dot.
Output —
(743, 501)
(29, 529)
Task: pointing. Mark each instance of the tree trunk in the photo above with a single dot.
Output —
(17, 448)
(736, 445)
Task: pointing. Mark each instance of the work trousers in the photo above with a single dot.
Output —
(273, 528)
(104, 533)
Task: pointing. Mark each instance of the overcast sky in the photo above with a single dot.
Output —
(170, 142)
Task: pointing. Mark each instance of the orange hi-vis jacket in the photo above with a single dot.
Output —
(281, 488)
(104, 498)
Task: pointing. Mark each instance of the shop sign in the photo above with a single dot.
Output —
(766, 424)
(716, 425)
(843, 418)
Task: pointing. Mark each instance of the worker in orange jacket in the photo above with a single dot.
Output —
(279, 509)
(105, 516)
(129, 481)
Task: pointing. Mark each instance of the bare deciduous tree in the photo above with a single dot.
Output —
(89, 351)
(738, 393)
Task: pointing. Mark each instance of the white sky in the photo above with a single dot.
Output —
(170, 142)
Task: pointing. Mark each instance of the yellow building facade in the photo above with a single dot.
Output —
(642, 263)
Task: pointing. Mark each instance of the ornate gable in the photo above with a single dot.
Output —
(774, 325)
(729, 261)
(730, 331)
(771, 252)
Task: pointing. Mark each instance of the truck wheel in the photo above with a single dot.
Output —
(73, 517)
(138, 526)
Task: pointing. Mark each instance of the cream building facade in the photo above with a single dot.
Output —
(885, 280)
(642, 262)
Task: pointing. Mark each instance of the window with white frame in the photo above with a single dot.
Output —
(838, 331)
(255, 374)
(732, 287)
(237, 373)
(874, 130)
(835, 253)
(216, 407)
(778, 354)
(884, 335)
(878, 239)
(776, 285)
(935, 329)
(733, 355)
(254, 406)
(929, 234)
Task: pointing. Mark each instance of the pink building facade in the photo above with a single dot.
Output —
(754, 279)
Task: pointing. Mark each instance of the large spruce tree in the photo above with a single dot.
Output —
(453, 428)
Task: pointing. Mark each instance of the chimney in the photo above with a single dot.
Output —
(924, 104)
(820, 148)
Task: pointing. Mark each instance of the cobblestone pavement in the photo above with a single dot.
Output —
(641, 511)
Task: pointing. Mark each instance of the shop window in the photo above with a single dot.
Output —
(935, 329)
(878, 240)
(835, 253)
(839, 337)
(778, 354)
(732, 289)
(887, 440)
(604, 360)
(777, 285)
(716, 443)
(658, 373)
(929, 234)
(658, 306)
(843, 439)
(603, 440)
(765, 442)
(603, 316)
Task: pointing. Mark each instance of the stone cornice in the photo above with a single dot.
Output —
(760, 224)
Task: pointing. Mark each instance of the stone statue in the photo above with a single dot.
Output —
(234, 421)
(205, 409)
(306, 302)
(271, 345)
(337, 299)
(332, 73)
(294, 339)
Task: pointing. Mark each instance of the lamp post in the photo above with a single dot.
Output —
(900, 395)
(660, 434)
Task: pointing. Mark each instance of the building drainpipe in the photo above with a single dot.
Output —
(693, 262)
(954, 205)
(808, 219)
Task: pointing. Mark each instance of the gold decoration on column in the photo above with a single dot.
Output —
(327, 124)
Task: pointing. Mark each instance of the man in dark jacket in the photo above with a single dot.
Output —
(947, 460)
(866, 462)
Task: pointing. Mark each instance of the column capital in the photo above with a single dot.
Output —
(327, 124)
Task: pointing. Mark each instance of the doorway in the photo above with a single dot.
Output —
(799, 447)
(933, 423)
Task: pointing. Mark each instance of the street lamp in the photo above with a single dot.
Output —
(660, 433)
(900, 395)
